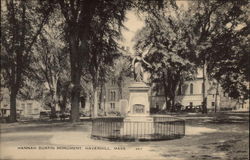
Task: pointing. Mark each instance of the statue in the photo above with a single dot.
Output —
(137, 68)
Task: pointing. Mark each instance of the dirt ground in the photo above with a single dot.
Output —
(219, 136)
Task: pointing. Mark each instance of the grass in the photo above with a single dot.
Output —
(218, 136)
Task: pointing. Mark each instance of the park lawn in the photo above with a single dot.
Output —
(224, 136)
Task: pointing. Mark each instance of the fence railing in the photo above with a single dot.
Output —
(115, 128)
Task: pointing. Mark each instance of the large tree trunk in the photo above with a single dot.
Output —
(14, 86)
(100, 96)
(53, 106)
(76, 61)
(175, 84)
(13, 95)
(95, 99)
(75, 100)
(62, 104)
(75, 93)
(216, 98)
(173, 109)
(53, 111)
(166, 94)
(75, 77)
(77, 35)
(204, 94)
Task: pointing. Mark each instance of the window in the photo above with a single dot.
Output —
(213, 103)
(113, 82)
(112, 105)
(112, 96)
(191, 88)
(83, 101)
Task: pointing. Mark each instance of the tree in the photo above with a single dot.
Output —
(221, 44)
(22, 22)
(121, 71)
(80, 16)
(51, 63)
(208, 34)
(63, 93)
(164, 42)
(31, 90)
(103, 50)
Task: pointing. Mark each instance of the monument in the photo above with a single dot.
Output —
(136, 122)
(138, 108)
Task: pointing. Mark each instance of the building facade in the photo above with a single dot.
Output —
(190, 93)
(25, 108)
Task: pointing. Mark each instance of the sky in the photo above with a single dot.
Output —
(133, 23)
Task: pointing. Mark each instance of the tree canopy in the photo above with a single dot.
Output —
(21, 24)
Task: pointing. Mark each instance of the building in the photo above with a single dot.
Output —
(189, 94)
(116, 98)
(25, 108)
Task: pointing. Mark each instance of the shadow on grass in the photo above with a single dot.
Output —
(31, 140)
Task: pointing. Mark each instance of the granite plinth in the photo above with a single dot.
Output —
(138, 100)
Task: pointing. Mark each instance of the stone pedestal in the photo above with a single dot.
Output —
(138, 117)
(138, 99)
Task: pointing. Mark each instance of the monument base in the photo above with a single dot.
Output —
(138, 123)
(141, 127)
(138, 99)
(138, 118)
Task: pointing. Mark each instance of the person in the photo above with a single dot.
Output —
(137, 68)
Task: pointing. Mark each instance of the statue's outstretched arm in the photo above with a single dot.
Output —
(133, 63)
(146, 63)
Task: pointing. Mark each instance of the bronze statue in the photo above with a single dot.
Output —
(137, 68)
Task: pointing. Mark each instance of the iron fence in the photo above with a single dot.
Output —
(116, 128)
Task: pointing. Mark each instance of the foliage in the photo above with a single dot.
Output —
(121, 71)
(222, 41)
(213, 34)
(22, 22)
(164, 42)
(50, 65)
